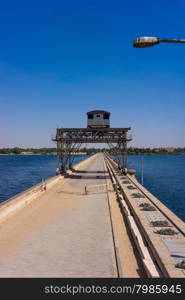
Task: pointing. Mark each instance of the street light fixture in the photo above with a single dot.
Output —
(143, 42)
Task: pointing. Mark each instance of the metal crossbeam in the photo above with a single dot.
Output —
(90, 129)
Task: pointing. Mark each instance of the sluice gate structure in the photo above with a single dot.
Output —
(98, 131)
(98, 221)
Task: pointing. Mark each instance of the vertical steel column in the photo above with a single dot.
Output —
(58, 157)
(58, 139)
(68, 155)
(62, 152)
(125, 151)
(122, 155)
(119, 154)
(70, 160)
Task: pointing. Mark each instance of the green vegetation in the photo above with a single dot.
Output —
(18, 150)
(131, 150)
(168, 150)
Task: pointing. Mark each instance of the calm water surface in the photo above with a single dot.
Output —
(20, 172)
(164, 175)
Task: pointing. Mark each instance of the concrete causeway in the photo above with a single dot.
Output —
(64, 232)
(90, 224)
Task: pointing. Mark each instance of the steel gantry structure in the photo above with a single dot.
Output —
(69, 140)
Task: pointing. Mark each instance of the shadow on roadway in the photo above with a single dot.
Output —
(81, 193)
(74, 176)
(89, 172)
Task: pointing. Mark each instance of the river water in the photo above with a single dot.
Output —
(20, 172)
(164, 175)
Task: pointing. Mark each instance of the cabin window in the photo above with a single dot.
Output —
(98, 116)
(106, 116)
(90, 116)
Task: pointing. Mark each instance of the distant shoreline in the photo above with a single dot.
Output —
(29, 154)
(89, 151)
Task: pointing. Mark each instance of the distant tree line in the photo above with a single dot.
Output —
(131, 150)
(169, 150)
(17, 150)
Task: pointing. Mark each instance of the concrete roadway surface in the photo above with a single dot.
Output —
(64, 233)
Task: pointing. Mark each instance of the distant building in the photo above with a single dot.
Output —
(98, 118)
(169, 149)
(26, 153)
(132, 148)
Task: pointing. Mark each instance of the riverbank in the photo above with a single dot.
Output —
(84, 150)
(10, 154)
(85, 153)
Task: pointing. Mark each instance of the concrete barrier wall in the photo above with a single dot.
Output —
(22, 199)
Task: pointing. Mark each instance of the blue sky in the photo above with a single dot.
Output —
(60, 59)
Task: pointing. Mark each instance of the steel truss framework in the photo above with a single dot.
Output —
(69, 140)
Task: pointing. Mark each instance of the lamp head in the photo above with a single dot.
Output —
(143, 42)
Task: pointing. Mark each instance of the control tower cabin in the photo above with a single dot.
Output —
(98, 119)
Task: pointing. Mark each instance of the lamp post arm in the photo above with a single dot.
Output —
(172, 40)
(146, 41)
